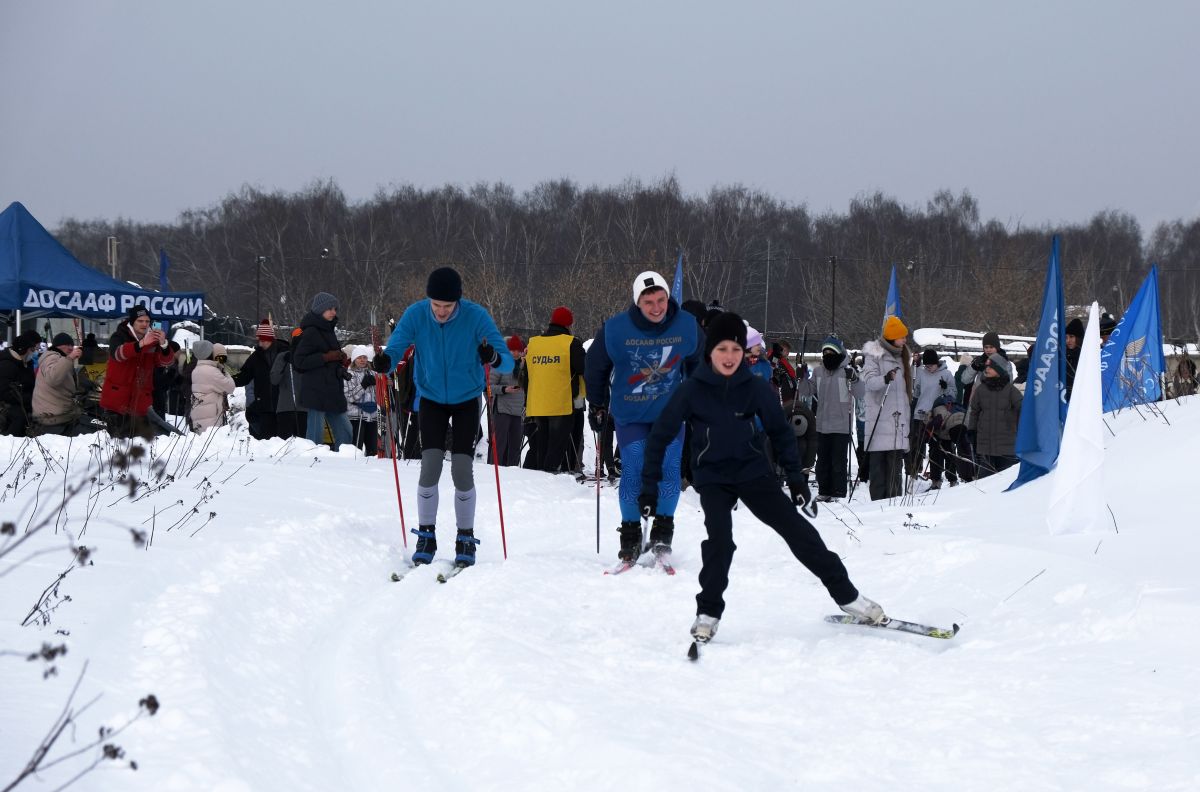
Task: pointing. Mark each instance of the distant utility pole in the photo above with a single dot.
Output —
(833, 296)
(767, 297)
(112, 255)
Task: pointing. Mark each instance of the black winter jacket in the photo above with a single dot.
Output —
(727, 445)
(257, 369)
(321, 381)
(16, 381)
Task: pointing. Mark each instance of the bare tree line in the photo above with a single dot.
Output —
(562, 244)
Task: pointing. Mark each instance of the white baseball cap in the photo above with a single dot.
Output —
(649, 280)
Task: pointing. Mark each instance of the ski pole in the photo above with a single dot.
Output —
(596, 438)
(487, 378)
(396, 476)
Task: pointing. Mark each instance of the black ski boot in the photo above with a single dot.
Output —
(464, 548)
(661, 533)
(426, 544)
(631, 541)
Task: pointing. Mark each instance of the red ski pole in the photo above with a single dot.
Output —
(395, 468)
(487, 378)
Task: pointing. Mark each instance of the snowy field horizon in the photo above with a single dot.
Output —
(259, 612)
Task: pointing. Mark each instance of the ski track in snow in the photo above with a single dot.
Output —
(285, 659)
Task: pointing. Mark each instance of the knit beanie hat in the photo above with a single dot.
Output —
(202, 350)
(1075, 327)
(893, 328)
(929, 357)
(726, 326)
(362, 350)
(219, 350)
(297, 332)
(323, 302)
(138, 310)
(1000, 364)
(515, 344)
(991, 339)
(26, 341)
(1107, 323)
(265, 331)
(562, 317)
(834, 343)
(649, 280)
(62, 339)
(444, 285)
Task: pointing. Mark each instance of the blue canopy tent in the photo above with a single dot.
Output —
(40, 277)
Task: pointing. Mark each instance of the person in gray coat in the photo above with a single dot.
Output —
(931, 381)
(836, 385)
(994, 415)
(887, 373)
(509, 410)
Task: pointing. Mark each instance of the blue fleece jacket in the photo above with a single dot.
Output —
(447, 368)
(634, 365)
(727, 445)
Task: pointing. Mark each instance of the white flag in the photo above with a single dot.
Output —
(1077, 502)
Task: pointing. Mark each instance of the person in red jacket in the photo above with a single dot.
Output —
(134, 351)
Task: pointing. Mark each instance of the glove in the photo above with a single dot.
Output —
(382, 363)
(802, 497)
(648, 503)
(891, 375)
(851, 375)
(488, 355)
(368, 380)
(332, 355)
(597, 416)
(943, 384)
(979, 363)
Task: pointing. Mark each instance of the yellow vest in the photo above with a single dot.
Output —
(548, 359)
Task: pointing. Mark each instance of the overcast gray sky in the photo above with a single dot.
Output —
(1046, 111)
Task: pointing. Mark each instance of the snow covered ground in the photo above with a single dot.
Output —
(262, 618)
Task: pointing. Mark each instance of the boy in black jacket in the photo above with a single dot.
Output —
(728, 409)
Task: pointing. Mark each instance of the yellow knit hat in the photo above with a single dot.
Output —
(893, 328)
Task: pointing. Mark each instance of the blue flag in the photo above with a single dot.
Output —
(1132, 362)
(1044, 407)
(677, 286)
(164, 264)
(892, 306)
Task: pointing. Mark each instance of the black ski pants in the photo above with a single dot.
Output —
(833, 459)
(551, 441)
(885, 469)
(769, 504)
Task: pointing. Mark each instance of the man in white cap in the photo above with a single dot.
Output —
(636, 361)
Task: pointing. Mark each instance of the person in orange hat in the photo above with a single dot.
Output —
(887, 375)
(509, 409)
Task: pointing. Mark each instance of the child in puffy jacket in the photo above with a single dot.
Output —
(211, 387)
(361, 407)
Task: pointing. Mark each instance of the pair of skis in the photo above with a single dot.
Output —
(442, 577)
(896, 625)
(651, 560)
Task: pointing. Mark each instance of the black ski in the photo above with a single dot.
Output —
(897, 625)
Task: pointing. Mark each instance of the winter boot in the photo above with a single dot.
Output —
(704, 628)
(631, 541)
(661, 533)
(426, 544)
(464, 548)
(865, 609)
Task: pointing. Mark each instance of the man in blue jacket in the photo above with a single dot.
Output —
(636, 361)
(730, 410)
(454, 339)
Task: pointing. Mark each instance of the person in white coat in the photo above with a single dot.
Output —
(887, 374)
(211, 387)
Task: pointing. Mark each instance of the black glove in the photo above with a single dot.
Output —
(891, 375)
(802, 497)
(368, 380)
(943, 384)
(648, 503)
(851, 374)
(597, 416)
(382, 363)
(979, 363)
(488, 355)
